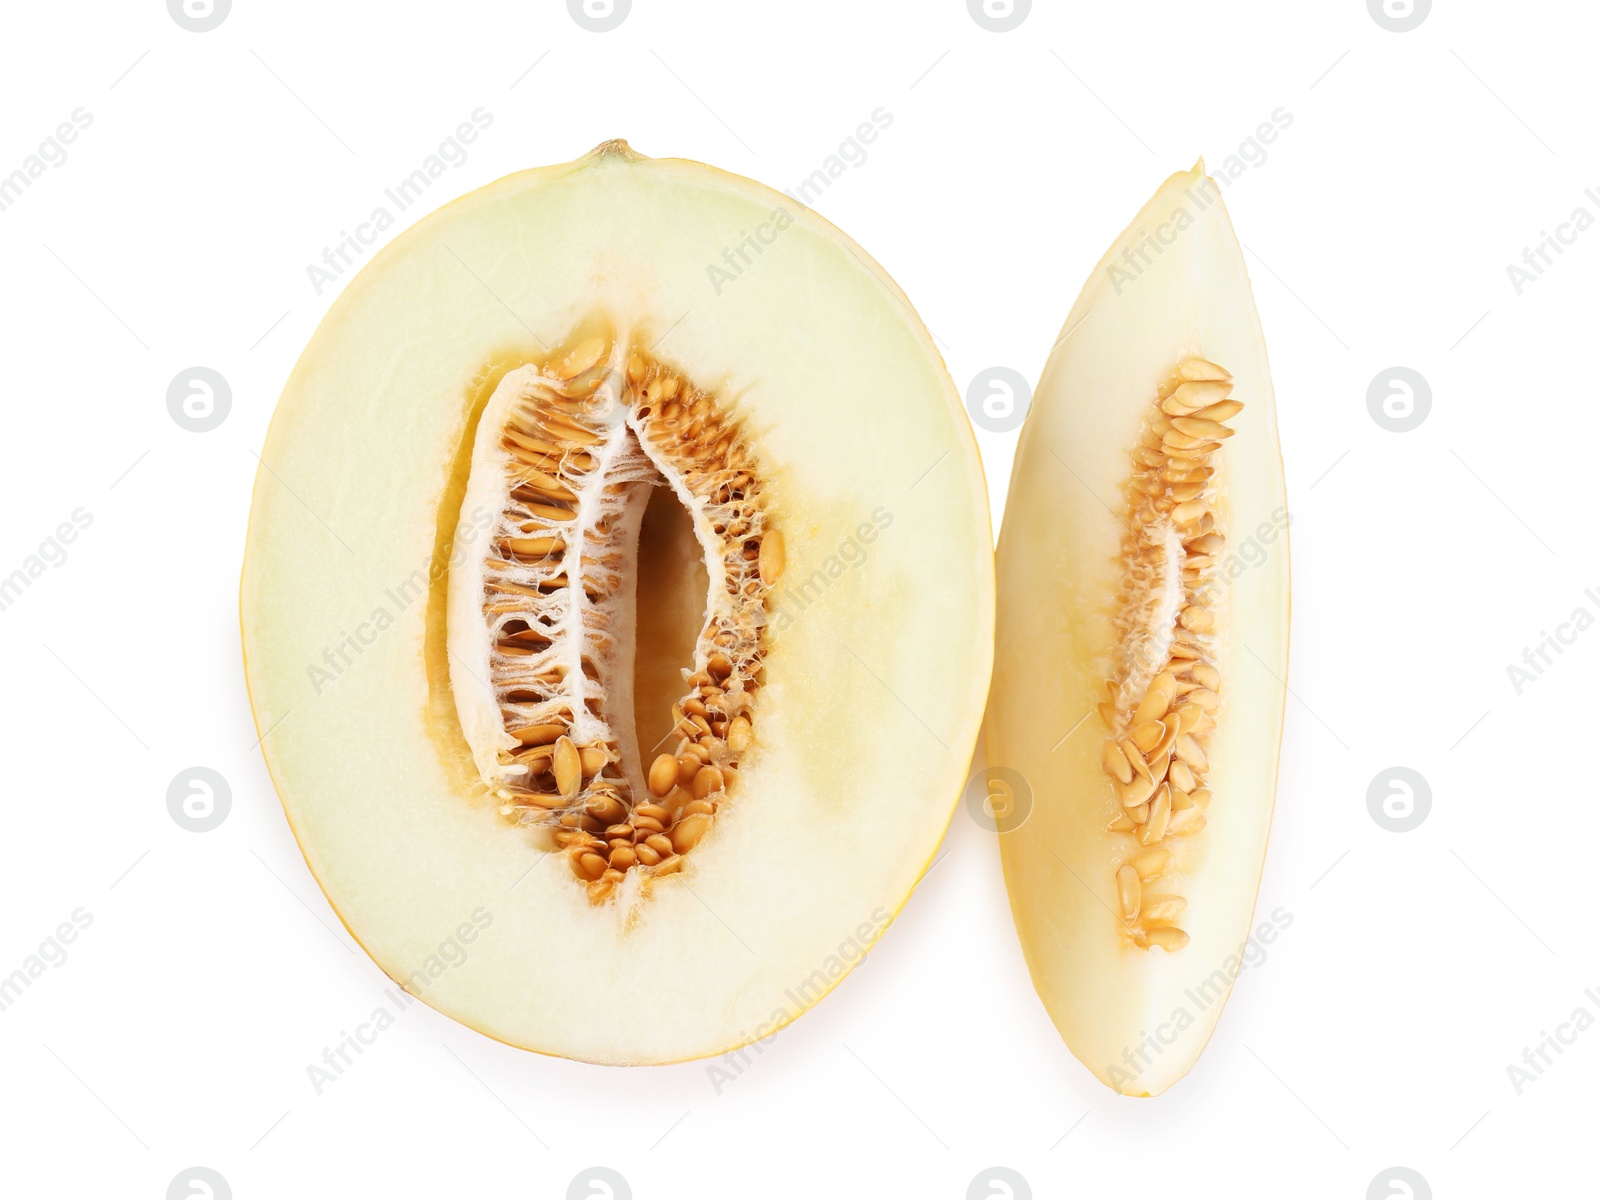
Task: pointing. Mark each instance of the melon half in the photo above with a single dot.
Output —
(617, 607)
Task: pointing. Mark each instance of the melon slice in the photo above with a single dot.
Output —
(1143, 578)
(618, 607)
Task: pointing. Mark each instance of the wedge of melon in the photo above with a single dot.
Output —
(1143, 579)
(618, 607)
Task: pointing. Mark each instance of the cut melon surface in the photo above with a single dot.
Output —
(618, 632)
(1143, 583)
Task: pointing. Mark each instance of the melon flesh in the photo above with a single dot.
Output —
(1173, 287)
(877, 649)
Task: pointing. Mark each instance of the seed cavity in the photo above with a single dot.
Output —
(1167, 683)
(567, 455)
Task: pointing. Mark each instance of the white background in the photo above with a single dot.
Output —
(1418, 165)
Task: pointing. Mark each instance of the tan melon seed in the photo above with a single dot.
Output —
(1159, 764)
(538, 735)
(622, 858)
(1135, 758)
(1137, 792)
(1151, 863)
(1128, 889)
(1196, 427)
(663, 774)
(1195, 395)
(1116, 763)
(772, 558)
(581, 357)
(647, 854)
(706, 781)
(689, 763)
(673, 802)
(1220, 411)
(1169, 731)
(740, 735)
(1122, 823)
(1161, 907)
(688, 832)
(1148, 736)
(1160, 810)
(533, 547)
(1189, 750)
(1195, 367)
(1181, 776)
(1168, 937)
(1156, 701)
(1185, 820)
(568, 767)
